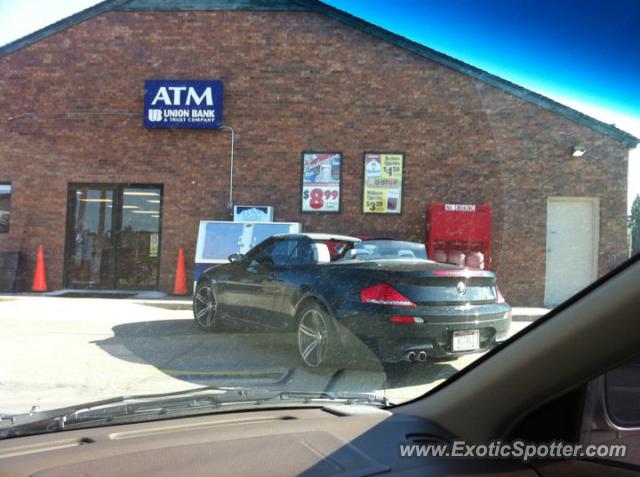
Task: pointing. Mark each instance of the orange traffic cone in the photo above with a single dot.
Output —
(40, 275)
(180, 284)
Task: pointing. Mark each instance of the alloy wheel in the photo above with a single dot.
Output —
(204, 307)
(313, 338)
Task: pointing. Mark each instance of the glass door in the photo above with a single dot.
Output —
(90, 240)
(113, 236)
(138, 244)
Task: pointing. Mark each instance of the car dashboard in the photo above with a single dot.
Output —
(340, 441)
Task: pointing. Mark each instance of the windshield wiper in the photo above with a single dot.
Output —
(139, 408)
(335, 397)
(125, 409)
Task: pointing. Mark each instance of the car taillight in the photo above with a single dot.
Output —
(499, 297)
(383, 294)
(406, 319)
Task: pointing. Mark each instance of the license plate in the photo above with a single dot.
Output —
(466, 340)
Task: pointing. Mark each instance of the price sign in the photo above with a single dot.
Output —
(321, 182)
(383, 183)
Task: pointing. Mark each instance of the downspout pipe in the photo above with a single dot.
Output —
(233, 140)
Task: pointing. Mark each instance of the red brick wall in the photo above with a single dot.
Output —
(293, 82)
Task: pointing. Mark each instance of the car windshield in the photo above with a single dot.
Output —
(299, 201)
(389, 249)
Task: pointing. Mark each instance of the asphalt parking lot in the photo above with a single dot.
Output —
(62, 351)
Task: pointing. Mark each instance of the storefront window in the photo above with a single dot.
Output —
(5, 207)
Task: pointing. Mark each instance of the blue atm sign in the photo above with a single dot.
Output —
(183, 104)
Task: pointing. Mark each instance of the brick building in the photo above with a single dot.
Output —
(298, 76)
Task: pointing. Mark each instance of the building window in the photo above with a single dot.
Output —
(5, 207)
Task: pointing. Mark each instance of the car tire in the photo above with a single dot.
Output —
(317, 342)
(205, 308)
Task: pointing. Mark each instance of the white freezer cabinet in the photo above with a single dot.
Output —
(218, 239)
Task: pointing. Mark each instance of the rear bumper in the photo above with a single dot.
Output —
(393, 341)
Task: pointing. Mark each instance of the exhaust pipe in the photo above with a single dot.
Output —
(411, 356)
(422, 356)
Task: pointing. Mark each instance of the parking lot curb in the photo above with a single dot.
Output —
(528, 313)
(166, 304)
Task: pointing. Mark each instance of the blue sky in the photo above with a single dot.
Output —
(588, 49)
(585, 54)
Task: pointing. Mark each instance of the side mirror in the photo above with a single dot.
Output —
(236, 258)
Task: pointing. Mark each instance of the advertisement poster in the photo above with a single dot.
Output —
(321, 182)
(383, 183)
(154, 240)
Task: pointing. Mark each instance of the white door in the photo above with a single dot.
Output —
(572, 247)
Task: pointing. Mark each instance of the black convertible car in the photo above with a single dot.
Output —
(328, 287)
